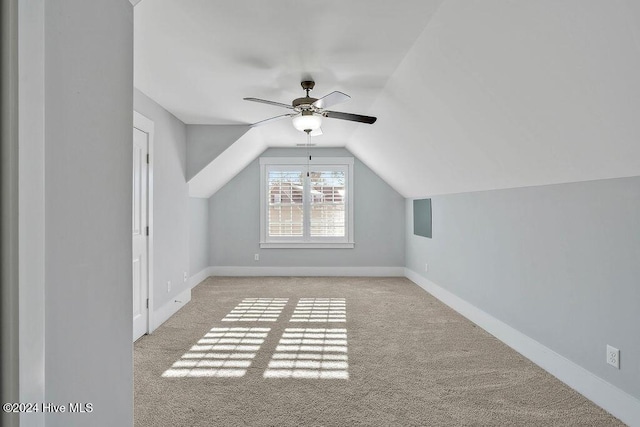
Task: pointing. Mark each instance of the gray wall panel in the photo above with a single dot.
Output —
(88, 157)
(170, 200)
(559, 263)
(206, 142)
(198, 235)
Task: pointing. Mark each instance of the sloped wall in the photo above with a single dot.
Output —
(509, 94)
(206, 142)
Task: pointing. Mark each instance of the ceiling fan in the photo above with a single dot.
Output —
(308, 112)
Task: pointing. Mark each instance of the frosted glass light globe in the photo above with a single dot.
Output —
(307, 121)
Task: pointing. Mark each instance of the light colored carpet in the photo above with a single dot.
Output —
(412, 361)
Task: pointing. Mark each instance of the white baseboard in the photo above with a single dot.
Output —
(619, 403)
(199, 277)
(170, 308)
(307, 271)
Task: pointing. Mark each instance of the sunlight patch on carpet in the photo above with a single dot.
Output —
(320, 310)
(222, 352)
(310, 353)
(257, 310)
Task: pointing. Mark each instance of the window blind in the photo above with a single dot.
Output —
(286, 203)
(327, 204)
(306, 203)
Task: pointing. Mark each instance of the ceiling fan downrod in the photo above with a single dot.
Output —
(308, 85)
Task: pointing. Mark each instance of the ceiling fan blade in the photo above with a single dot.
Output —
(316, 132)
(351, 117)
(332, 99)
(264, 101)
(272, 119)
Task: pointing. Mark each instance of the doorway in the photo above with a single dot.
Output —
(141, 225)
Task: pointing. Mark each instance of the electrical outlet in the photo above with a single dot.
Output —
(613, 356)
(256, 257)
(426, 267)
(185, 277)
(169, 286)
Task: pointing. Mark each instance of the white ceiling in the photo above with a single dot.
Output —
(469, 95)
(199, 58)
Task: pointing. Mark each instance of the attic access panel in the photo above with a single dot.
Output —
(422, 217)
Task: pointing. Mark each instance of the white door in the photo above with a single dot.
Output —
(140, 234)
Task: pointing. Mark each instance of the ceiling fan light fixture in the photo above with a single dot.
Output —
(307, 121)
(308, 112)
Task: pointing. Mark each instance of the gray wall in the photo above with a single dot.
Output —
(170, 200)
(88, 156)
(234, 224)
(560, 263)
(32, 208)
(206, 142)
(198, 235)
(9, 200)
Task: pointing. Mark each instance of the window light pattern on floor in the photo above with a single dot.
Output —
(320, 310)
(257, 310)
(310, 353)
(222, 352)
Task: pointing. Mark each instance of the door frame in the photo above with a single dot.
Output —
(146, 125)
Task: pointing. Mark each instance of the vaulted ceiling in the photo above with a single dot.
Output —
(469, 95)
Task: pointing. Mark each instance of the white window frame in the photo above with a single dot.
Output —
(306, 241)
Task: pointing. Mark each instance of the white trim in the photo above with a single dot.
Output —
(146, 125)
(263, 200)
(307, 271)
(199, 277)
(616, 401)
(170, 308)
(303, 245)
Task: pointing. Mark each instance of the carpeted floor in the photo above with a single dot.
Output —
(401, 358)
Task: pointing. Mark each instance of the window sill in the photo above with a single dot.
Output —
(306, 245)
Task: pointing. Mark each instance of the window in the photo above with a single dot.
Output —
(306, 203)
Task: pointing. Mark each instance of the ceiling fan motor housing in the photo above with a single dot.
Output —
(308, 84)
(307, 100)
